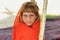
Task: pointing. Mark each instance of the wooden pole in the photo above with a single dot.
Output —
(44, 11)
(42, 27)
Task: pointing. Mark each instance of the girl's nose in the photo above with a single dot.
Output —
(28, 18)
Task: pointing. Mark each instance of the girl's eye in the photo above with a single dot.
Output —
(24, 15)
(31, 15)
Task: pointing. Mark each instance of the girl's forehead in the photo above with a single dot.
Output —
(28, 13)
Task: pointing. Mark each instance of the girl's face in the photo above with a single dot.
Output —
(28, 18)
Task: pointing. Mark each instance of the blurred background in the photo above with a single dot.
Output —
(9, 9)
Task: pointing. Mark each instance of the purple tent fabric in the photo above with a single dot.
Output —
(52, 30)
(5, 34)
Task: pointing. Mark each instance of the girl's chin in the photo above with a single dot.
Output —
(29, 24)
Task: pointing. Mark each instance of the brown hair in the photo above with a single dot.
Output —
(29, 7)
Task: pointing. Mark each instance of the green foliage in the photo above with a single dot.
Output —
(52, 16)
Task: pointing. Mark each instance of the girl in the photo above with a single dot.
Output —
(27, 23)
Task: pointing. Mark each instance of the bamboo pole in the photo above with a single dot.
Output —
(42, 27)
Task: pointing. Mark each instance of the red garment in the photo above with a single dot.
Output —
(23, 32)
